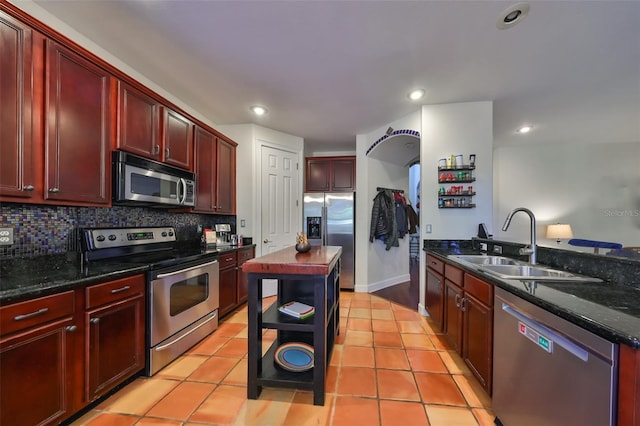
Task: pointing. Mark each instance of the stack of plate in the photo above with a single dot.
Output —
(294, 356)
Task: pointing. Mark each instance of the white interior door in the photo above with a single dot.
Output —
(280, 210)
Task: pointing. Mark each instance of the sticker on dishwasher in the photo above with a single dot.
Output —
(535, 337)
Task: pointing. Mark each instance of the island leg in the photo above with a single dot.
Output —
(254, 316)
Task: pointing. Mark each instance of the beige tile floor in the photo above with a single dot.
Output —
(389, 367)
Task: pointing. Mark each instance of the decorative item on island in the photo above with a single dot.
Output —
(302, 244)
(297, 309)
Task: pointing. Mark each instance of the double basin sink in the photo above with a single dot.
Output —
(507, 268)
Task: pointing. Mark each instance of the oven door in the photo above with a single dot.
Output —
(182, 297)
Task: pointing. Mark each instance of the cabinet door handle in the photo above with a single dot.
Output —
(159, 276)
(29, 188)
(94, 320)
(156, 149)
(71, 328)
(54, 190)
(31, 314)
(119, 290)
(166, 152)
(463, 306)
(457, 300)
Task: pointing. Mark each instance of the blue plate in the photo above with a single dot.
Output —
(294, 356)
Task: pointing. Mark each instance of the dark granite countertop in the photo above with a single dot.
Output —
(27, 278)
(30, 277)
(609, 309)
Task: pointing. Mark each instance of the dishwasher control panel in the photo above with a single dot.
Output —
(537, 338)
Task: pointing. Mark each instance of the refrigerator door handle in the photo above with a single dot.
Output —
(325, 232)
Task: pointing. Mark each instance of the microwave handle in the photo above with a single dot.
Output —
(183, 190)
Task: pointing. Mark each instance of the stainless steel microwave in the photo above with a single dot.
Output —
(143, 182)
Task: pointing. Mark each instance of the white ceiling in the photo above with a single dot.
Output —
(329, 70)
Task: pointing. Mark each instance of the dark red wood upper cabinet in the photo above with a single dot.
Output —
(178, 140)
(16, 91)
(330, 174)
(77, 128)
(138, 122)
(226, 177)
(318, 174)
(343, 174)
(204, 167)
(215, 167)
(141, 131)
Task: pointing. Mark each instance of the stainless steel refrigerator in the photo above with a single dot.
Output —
(329, 220)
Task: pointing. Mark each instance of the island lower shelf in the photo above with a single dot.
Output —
(272, 375)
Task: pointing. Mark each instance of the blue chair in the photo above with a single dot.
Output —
(595, 244)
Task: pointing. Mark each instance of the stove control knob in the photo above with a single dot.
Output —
(100, 238)
(112, 237)
(164, 233)
(171, 233)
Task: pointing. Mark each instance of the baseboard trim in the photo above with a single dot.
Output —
(373, 287)
(422, 311)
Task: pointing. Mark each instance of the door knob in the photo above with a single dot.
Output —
(266, 241)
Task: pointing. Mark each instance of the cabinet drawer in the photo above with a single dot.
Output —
(435, 264)
(482, 290)
(454, 274)
(112, 291)
(227, 259)
(31, 313)
(244, 255)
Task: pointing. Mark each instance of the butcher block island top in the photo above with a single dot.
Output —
(320, 260)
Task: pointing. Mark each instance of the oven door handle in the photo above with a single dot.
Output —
(182, 271)
(173, 342)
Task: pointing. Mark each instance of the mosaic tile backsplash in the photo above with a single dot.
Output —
(40, 229)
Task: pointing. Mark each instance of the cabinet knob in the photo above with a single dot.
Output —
(28, 188)
(54, 190)
(94, 320)
(71, 328)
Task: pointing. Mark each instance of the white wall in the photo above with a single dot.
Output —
(595, 188)
(460, 128)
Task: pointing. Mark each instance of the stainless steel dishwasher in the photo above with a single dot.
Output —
(548, 371)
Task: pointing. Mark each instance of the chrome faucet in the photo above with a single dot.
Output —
(531, 250)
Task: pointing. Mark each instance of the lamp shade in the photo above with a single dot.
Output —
(559, 231)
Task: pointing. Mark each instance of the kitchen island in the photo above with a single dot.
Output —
(312, 278)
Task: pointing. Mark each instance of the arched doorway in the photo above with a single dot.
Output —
(401, 149)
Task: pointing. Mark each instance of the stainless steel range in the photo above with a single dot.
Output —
(182, 286)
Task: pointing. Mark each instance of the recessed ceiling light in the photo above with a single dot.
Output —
(512, 15)
(258, 110)
(524, 129)
(417, 94)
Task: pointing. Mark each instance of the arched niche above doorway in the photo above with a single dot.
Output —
(400, 147)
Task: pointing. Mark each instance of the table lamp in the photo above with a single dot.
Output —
(559, 231)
